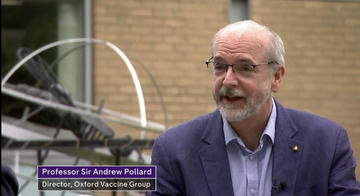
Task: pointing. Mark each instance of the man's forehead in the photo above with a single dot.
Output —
(245, 41)
(247, 45)
(259, 37)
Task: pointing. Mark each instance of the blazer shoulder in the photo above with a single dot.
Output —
(315, 126)
(189, 129)
(309, 119)
(185, 138)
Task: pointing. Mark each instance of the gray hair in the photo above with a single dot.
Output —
(276, 50)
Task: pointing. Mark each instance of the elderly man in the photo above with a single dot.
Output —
(251, 145)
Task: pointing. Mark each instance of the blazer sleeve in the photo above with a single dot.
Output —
(342, 179)
(166, 177)
(9, 183)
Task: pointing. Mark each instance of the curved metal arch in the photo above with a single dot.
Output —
(130, 67)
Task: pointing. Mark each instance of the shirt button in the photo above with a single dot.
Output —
(251, 157)
(252, 191)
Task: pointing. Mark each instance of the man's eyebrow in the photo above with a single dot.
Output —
(240, 60)
(245, 61)
(218, 58)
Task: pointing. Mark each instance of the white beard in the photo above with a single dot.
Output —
(233, 112)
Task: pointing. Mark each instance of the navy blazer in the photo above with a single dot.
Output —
(9, 183)
(192, 160)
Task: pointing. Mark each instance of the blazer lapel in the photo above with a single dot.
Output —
(287, 151)
(214, 158)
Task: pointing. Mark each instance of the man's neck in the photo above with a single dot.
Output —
(250, 129)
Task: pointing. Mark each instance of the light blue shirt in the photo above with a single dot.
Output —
(251, 171)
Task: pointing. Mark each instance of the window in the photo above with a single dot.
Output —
(238, 10)
(32, 24)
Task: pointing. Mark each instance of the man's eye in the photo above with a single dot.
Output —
(244, 67)
(219, 66)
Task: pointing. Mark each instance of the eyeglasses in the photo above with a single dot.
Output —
(218, 68)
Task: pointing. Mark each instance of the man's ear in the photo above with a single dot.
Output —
(277, 77)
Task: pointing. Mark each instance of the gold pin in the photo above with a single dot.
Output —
(295, 148)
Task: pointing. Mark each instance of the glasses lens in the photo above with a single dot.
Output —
(243, 68)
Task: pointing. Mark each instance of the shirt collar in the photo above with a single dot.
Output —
(269, 130)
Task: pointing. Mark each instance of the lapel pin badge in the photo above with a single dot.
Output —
(295, 148)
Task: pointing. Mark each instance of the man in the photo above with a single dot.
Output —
(251, 145)
(9, 183)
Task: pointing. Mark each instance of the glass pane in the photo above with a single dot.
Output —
(238, 10)
(31, 24)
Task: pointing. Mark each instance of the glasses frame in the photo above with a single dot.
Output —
(210, 60)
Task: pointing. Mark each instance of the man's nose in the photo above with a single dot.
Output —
(230, 78)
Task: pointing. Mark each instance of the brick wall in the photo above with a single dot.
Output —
(322, 58)
(171, 38)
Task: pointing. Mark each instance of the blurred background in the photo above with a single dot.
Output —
(167, 42)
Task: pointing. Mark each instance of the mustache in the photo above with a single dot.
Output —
(230, 92)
